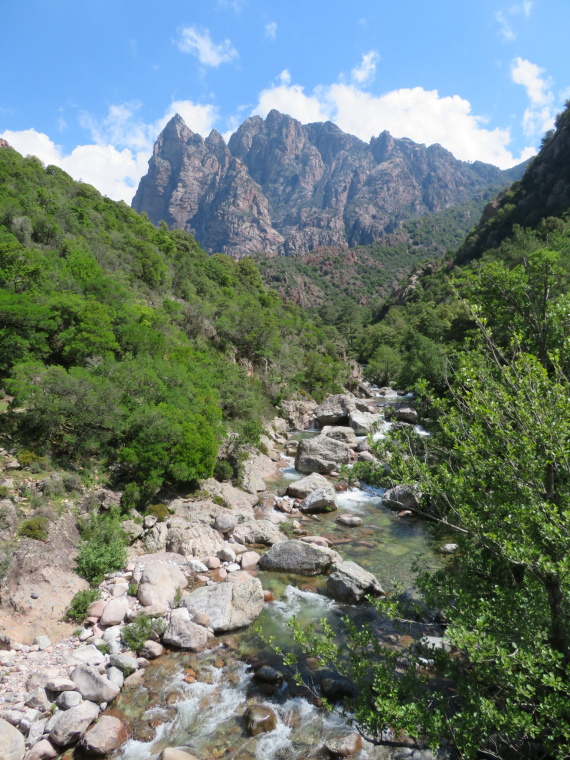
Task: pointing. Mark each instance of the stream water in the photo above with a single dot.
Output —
(205, 716)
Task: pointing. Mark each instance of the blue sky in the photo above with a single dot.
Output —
(89, 85)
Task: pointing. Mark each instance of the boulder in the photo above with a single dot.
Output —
(298, 414)
(321, 500)
(60, 684)
(115, 611)
(192, 539)
(68, 699)
(316, 540)
(125, 662)
(226, 554)
(159, 584)
(299, 558)
(107, 735)
(183, 633)
(344, 746)
(250, 559)
(12, 745)
(334, 410)
(349, 583)
(151, 650)
(352, 521)
(87, 655)
(116, 676)
(92, 685)
(400, 497)
(170, 753)
(363, 422)
(225, 522)
(258, 532)
(133, 529)
(406, 414)
(300, 489)
(344, 434)
(260, 719)
(43, 750)
(228, 605)
(156, 538)
(70, 725)
(321, 454)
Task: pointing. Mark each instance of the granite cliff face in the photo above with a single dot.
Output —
(283, 188)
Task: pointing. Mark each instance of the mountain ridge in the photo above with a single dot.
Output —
(281, 187)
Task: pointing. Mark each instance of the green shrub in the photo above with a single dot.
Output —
(160, 511)
(77, 610)
(143, 628)
(28, 458)
(4, 492)
(103, 549)
(223, 470)
(103, 647)
(54, 488)
(220, 501)
(72, 482)
(133, 588)
(263, 449)
(35, 527)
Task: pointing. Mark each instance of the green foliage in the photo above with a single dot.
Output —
(76, 612)
(223, 470)
(35, 527)
(142, 629)
(384, 366)
(129, 345)
(4, 492)
(103, 547)
(160, 511)
(322, 375)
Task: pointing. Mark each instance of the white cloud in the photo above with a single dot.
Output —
(122, 145)
(505, 28)
(539, 116)
(365, 72)
(531, 77)
(422, 115)
(527, 7)
(200, 44)
(271, 30)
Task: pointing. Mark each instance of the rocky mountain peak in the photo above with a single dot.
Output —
(283, 187)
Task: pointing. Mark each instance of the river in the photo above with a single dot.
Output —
(204, 716)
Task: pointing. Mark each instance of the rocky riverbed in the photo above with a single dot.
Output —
(292, 540)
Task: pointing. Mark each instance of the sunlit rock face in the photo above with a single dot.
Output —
(282, 187)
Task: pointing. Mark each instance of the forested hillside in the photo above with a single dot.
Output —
(128, 345)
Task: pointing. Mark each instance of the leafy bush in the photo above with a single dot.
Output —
(72, 482)
(223, 470)
(4, 492)
(54, 488)
(29, 458)
(103, 549)
(35, 527)
(142, 629)
(160, 511)
(77, 610)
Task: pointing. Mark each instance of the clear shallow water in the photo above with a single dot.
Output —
(206, 717)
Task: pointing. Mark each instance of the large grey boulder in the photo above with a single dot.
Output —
(334, 410)
(107, 735)
(227, 605)
(321, 500)
(92, 685)
(300, 489)
(192, 539)
(183, 633)
(115, 611)
(12, 745)
(400, 497)
(70, 725)
(159, 584)
(344, 434)
(258, 532)
(321, 454)
(43, 750)
(406, 414)
(299, 558)
(156, 538)
(87, 655)
(350, 583)
(364, 422)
